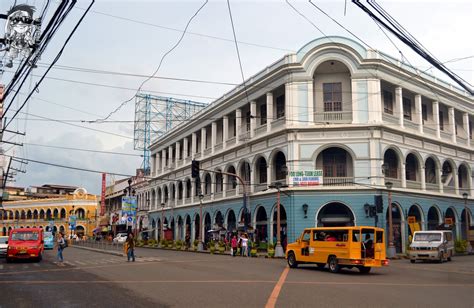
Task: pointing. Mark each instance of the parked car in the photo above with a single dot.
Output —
(3, 245)
(120, 238)
(432, 245)
(26, 243)
(48, 240)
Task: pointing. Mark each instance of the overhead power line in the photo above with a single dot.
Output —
(81, 150)
(190, 33)
(159, 65)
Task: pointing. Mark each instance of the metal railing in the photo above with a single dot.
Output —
(98, 244)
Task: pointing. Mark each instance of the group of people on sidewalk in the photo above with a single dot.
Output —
(243, 242)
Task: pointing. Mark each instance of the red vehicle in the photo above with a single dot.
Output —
(25, 243)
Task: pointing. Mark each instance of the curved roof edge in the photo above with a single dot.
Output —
(331, 39)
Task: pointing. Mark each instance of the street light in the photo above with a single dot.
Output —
(278, 248)
(200, 244)
(469, 248)
(130, 192)
(391, 247)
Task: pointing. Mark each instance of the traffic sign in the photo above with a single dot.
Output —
(130, 219)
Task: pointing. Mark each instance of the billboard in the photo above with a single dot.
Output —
(306, 178)
(129, 209)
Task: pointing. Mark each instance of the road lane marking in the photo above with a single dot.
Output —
(321, 283)
(80, 263)
(99, 266)
(276, 290)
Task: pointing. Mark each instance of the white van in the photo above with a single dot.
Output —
(431, 245)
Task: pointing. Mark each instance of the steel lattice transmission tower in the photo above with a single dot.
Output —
(154, 116)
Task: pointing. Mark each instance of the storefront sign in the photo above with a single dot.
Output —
(306, 178)
(102, 197)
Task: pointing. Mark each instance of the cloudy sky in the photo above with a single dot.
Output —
(131, 37)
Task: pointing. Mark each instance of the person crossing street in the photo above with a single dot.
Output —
(130, 247)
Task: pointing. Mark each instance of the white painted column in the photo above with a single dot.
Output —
(423, 178)
(269, 111)
(225, 131)
(170, 158)
(436, 118)
(269, 174)
(193, 145)
(399, 103)
(185, 148)
(178, 155)
(419, 113)
(404, 175)
(175, 194)
(238, 124)
(456, 181)
(452, 124)
(374, 101)
(213, 185)
(213, 136)
(158, 162)
(465, 124)
(203, 141)
(440, 182)
(253, 118)
(163, 160)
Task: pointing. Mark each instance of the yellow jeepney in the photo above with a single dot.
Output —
(360, 247)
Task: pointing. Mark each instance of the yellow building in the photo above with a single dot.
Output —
(52, 213)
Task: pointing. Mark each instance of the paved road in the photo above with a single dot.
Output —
(165, 278)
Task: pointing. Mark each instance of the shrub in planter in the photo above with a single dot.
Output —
(163, 243)
(178, 244)
(221, 247)
(262, 246)
(212, 249)
(253, 252)
(460, 246)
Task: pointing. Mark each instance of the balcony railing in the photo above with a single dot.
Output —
(445, 135)
(230, 142)
(244, 135)
(429, 130)
(432, 186)
(449, 189)
(207, 152)
(413, 184)
(389, 118)
(218, 147)
(338, 181)
(278, 123)
(410, 124)
(187, 200)
(334, 117)
(395, 182)
(218, 195)
(461, 140)
(261, 130)
(260, 187)
(230, 192)
(206, 198)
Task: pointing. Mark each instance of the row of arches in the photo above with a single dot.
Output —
(431, 172)
(266, 171)
(46, 214)
(80, 230)
(333, 214)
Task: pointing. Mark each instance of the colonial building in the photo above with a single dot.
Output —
(359, 117)
(52, 213)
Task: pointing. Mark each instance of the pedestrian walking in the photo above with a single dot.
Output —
(61, 245)
(244, 241)
(234, 244)
(130, 248)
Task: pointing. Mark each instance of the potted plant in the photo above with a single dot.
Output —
(271, 250)
(460, 246)
(253, 250)
(195, 245)
(221, 248)
(178, 244)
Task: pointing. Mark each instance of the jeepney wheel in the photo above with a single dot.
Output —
(333, 265)
(413, 261)
(321, 265)
(292, 260)
(364, 269)
(9, 260)
(449, 256)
